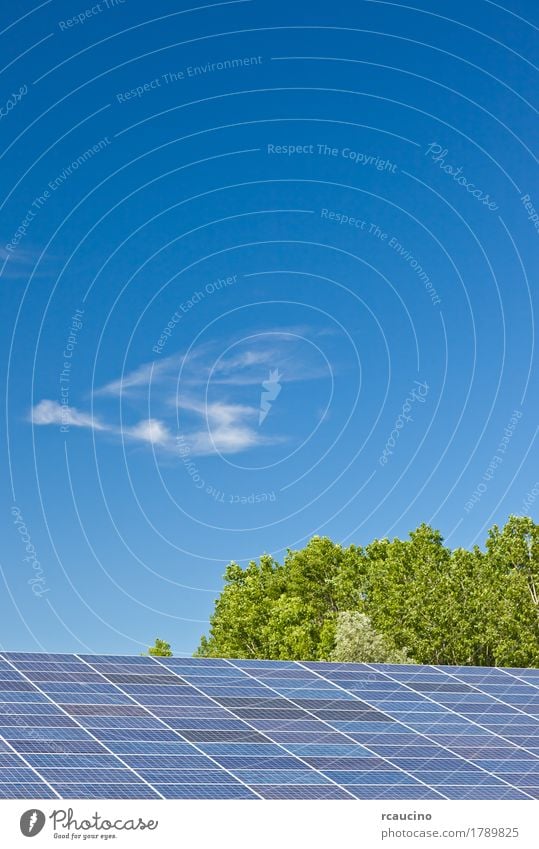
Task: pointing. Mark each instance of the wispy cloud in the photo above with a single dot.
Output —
(229, 428)
(20, 264)
(140, 378)
(148, 430)
(50, 412)
(211, 399)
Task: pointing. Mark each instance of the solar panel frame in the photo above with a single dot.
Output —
(74, 726)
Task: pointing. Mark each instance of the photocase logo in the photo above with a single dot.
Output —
(32, 822)
(271, 389)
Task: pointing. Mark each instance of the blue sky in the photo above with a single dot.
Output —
(269, 271)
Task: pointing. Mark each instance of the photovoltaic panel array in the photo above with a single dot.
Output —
(89, 726)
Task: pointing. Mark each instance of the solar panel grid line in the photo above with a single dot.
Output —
(286, 725)
(290, 669)
(426, 736)
(34, 770)
(387, 760)
(90, 734)
(478, 729)
(180, 736)
(396, 721)
(402, 684)
(512, 675)
(505, 726)
(28, 767)
(281, 746)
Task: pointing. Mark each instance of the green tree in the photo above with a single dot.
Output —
(414, 596)
(442, 605)
(239, 625)
(406, 595)
(287, 610)
(513, 554)
(160, 649)
(357, 641)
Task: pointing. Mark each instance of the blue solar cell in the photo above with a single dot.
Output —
(11, 760)
(196, 712)
(371, 738)
(275, 776)
(43, 746)
(522, 779)
(8, 775)
(85, 677)
(104, 659)
(352, 763)
(21, 697)
(14, 656)
(149, 699)
(516, 764)
(179, 776)
(28, 666)
(477, 793)
(445, 762)
(375, 729)
(149, 747)
(75, 775)
(252, 750)
(208, 736)
(29, 720)
(10, 675)
(284, 716)
(35, 790)
(462, 777)
(185, 762)
(267, 725)
(324, 736)
(256, 692)
(195, 662)
(386, 776)
(233, 763)
(205, 791)
(405, 792)
(85, 709)
(25, 708)
(302, 791)
(73, 761)
(106, 791)
(187, 693)
(131, 723)
(25, 732)
(162, 736)
(128, 669)
(323, 750)
(189, 722)
(61, 688)
(251, 665)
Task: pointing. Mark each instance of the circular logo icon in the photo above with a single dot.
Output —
(32, 822)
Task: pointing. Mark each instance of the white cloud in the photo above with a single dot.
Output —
(141, 377)
(151, 430)
(201, 393)
(148, 430)
(50, 412)
(227, 427)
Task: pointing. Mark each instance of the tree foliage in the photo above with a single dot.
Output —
(357, 641)
(160, 649)
(413, 598)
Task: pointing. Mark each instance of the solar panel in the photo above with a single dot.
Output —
(91, 726)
